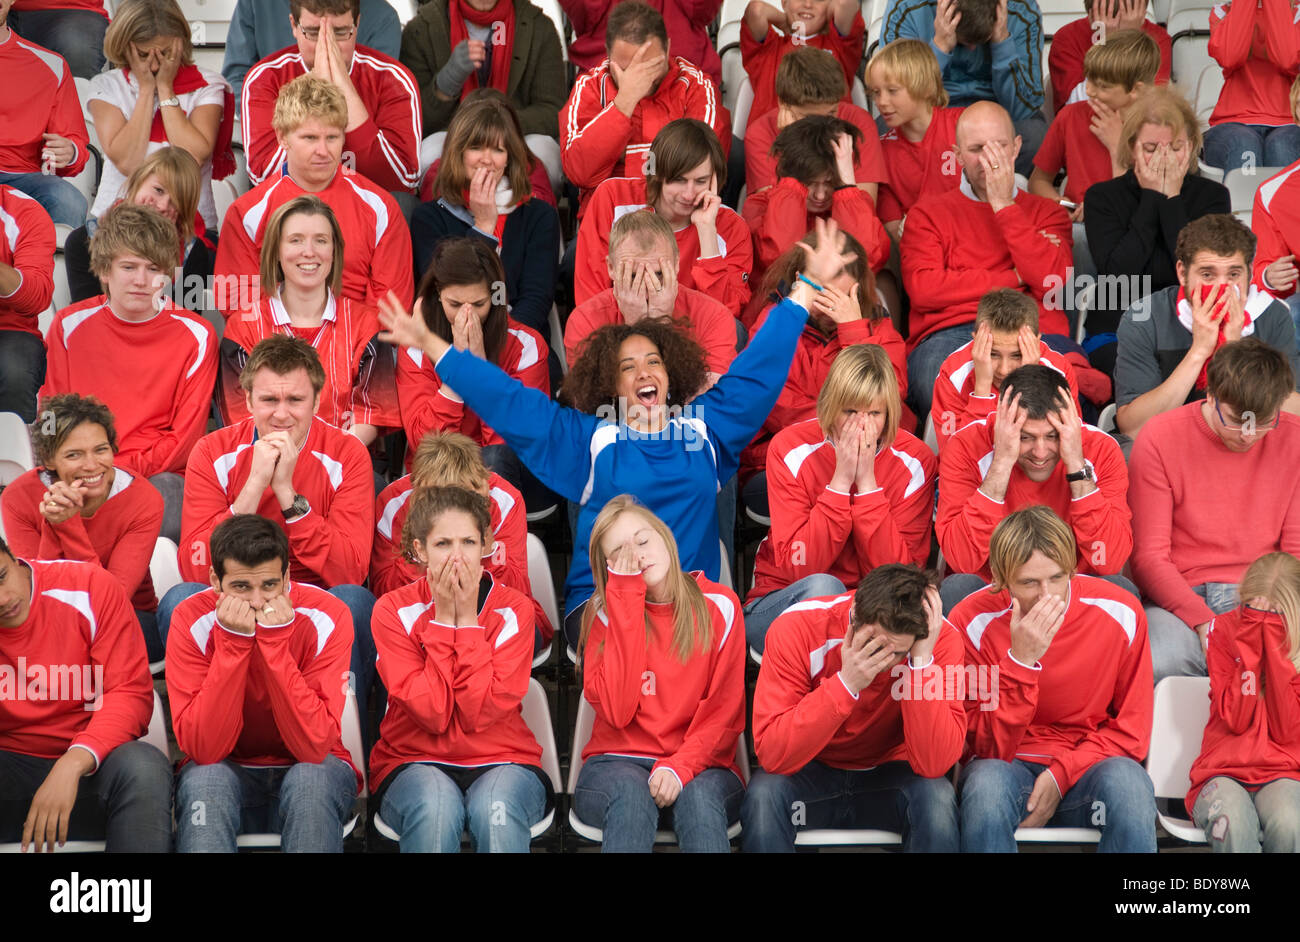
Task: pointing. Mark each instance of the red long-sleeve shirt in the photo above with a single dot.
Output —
(1259, 49)
(1202, 513)
(967, 516)
(508, 564)
(119, 536)
(81, 642)
(385, 147)
(687, 23)
(724, 277)
(1071, 146)
(329, 545)
(955, 404)
(803, 711)
(1253, 734)
(712, 324)
(760, 165)
(429, 407)
(453, 693)
(762, 56)
(360, 374)
(812, 362)
(1071, 43)
(817, 529)
(598, 141)
(156, 375)
(1275, 220)
(687, 717)
(272, 698)
(955, 250)
(377, 242)
(1089, 696)
(42, 99)
(918, 169)
(779, 218)
(27, 245)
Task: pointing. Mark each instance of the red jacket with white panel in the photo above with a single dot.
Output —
(27, 244)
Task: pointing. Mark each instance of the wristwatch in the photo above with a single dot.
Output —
(1083, 474)
(297, 508)
(173, 102)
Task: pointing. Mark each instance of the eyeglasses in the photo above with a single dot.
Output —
(341, 33)
(1250, 426)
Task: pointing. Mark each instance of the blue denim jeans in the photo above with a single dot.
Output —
(77, 35)
(1176, 647)
(22, 371)
(924, 362)
(127, 802)
(57, 196)
(307, 804)
(1237, 821)
(1293, 303)
(613, 794)
(1115, 796)
(430, 812)
(890, 797)
(760, 613)
(1230, 146)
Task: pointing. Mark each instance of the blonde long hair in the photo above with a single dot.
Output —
(1276, 577)
(692, 622)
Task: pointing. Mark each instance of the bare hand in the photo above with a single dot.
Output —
(946, 18)
(661, 289)
(638, 80)
(477, 49)
(864, 479)
(140, 64)
(265, 457)
(169, 63)
(1032, 633)
(1069, 429)
(1282, 273)
(1132, 14)
(664, 787)
(1176, 165)
(275, 612)
(483, 199)
(62, 502)
(1030, 348)
(981, 354)
(402, 327)
(999, 176)
(1105, 124)
(236, 614)
(471, 329)
(865, 655)
(1149, 170)
(707, 204)
(840, 307)
(1207, 317)
(843, 148)
(443, 590)
(282, 476)
(625, 561)
(847, 444)
(466, 593)
(1235, 321)
(1007, 426)
(827, 260)
(1042, 801)
(1001, 31)
(51, 807)
(630, 291)
(57, 148)
(923, 648)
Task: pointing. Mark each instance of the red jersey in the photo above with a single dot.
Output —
(96, 6)
(1071, 145)
(156, 375)
(724, 277)
(272, 698)
(808, 370)
(377, 244)
(1253, 735)
(711, 324)
(47, 103)
(967, 516)
(917, 169)
(1275, 220)
(118, 537)
(1071, 43)
(803, 711)
(329, 545)
(760, 165)
(598, 141)
(762, 56)
(508, 563)
(454, 694)
(27, 245)
(650, 705)
(385, 147)
(955, 250)
(1089, 696)
(817, 529)
(429, 406)
(360, 375)
(1259, 49)
(955, 404)
(75, 672)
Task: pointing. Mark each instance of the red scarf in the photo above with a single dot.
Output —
(190, 79)
(504, 13)
(1205, 290)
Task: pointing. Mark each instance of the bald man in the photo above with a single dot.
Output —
(960, 244)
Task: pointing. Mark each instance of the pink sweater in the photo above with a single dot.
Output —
(1202, 513)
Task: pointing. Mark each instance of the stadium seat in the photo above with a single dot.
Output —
(165, 571)
(1191, 54)
(557, 338)
(1106, 422)
(733, 69)
(1242, 182)
(156, 736)
(1209, 85)
(1158, 10)
(223, 194)
(15, 448)
(873, 14)
(350, 722)
(209, 20)
(406, 10)
(541, 586)
(556, 15)
(1180, 714)
(582, 734)
(1083, 302)
(740, 109)
(537, 715)
(930, 437)
(62, 296)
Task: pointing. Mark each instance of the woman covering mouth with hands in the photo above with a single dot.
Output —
(626, 431)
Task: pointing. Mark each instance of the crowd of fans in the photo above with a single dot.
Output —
(482, 276)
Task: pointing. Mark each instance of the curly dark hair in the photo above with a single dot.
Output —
(60, 415)
(593, 379)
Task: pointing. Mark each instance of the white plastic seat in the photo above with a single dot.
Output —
(1209, 85)
(557, 338)
(556, 15)
(1242, 184)
(542, 587)
(537, 715)
(16, 456)
(165, 571)
(223, 195)
(1190, 55)
(582, 734)
(930, 437)
(1106, 421)
(209, 20)
(1179, 716)
(1083, 303)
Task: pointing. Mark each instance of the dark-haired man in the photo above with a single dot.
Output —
(858, 695)
(256, 675)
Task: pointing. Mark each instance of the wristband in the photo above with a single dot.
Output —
(808, 281)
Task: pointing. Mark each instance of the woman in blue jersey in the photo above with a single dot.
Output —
(644, 434)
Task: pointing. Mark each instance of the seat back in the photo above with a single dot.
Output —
(15, 448)
(163, 567)
(581, 735)
(537, 715)
(351, 728)
(540, 583)
(1180, 714)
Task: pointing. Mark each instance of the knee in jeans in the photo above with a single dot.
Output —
(822, 584)
(1283, 823)
(201, 785)
(988, 781)
(932, 796)
(1125, 791)
(145, 770)
(770, 794)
